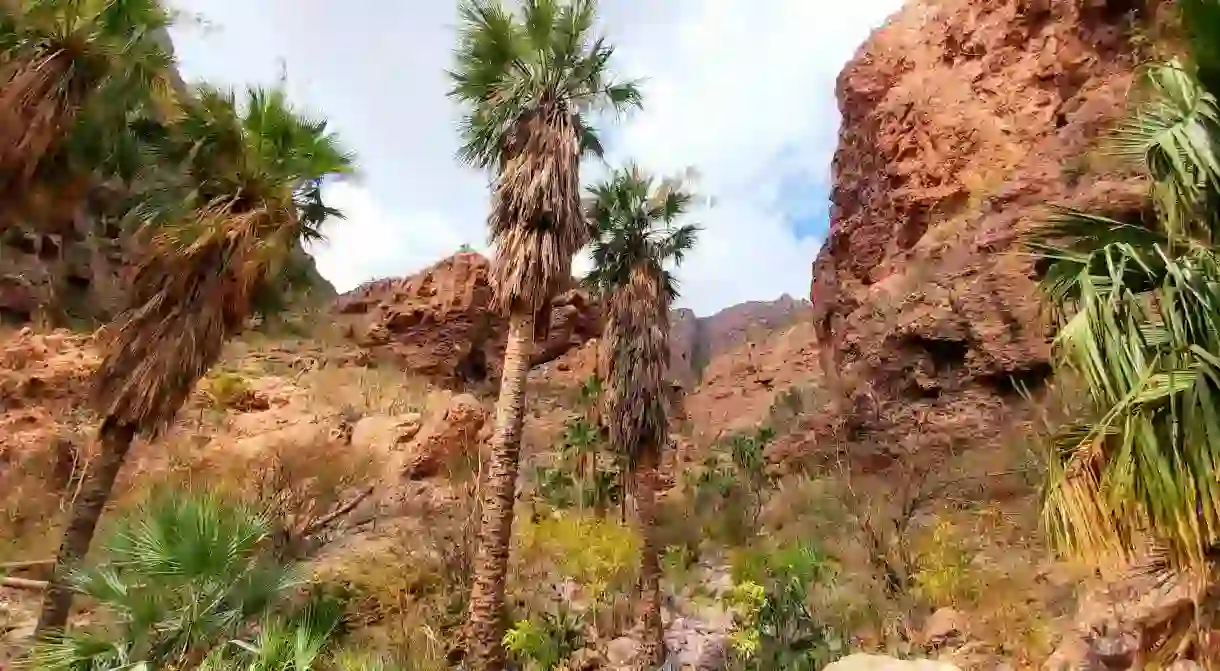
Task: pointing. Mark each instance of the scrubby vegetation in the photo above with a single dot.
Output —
(315, 549)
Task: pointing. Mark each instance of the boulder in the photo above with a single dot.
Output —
(385, 434)
(450, 434)
(622, 651)
(944, 627)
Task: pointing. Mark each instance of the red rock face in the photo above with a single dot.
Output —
(695, 341)
(439, 322)
(962, 120)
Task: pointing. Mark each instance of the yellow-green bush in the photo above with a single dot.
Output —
(599, 554)
(228, 390)
(943, 574)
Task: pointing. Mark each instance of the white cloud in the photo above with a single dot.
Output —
(742, 89)
(372, 242)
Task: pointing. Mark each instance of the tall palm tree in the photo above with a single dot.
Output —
(232, 192)
(528, 82)
(636, 239)
(1137, 307)
(56, 56)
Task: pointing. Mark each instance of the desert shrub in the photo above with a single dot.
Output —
(408, 591)
(365, 391)
(774, 625)
(598, 554)
(545, 640)
(728, 489)
(943, 574)
(299, 485)
(37, 486)
(228, 390)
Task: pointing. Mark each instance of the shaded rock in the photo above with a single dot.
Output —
(695, 341)
(862, 662)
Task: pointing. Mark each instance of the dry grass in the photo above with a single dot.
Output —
(366, 391)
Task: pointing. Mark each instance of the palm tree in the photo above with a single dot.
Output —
(180, 576)
(1137, 307)
(636, 238)
(184, 581)
(57, 56)
(528, 83)
(216, 231)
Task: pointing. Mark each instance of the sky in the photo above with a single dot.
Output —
(743, 90)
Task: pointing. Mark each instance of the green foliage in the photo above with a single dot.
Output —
(1138, 316)
(634, 216)
(182, 576)
(774, 627)
(944, 575)
(543, 642)
(730, 486)
(508, 62)
(580, 478)
(228, 390)
(599, 554)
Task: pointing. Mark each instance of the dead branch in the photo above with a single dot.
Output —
(29, 563)
(23, 583)
(326, 520)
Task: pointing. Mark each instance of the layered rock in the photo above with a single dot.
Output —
(961, 122)
(439, 322)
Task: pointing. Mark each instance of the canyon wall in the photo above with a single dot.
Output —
(961, 121)
(695, 341)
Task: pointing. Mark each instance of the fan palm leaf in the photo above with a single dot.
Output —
(530, 82)
(59, 56)
(1137, 308)
(179, 577)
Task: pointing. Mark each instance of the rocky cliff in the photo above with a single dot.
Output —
(695, 341)
(439, 323)
(961, 120)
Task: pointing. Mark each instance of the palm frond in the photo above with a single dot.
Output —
(57, 56)
(219, 227)
(1173, 134)
(181, 576)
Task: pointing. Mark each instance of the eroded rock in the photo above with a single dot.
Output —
(439, 322)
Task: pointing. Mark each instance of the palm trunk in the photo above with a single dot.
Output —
(114, 440)
(487, 616)
(652, 649)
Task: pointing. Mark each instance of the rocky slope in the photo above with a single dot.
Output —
(961, 121)
(439, 323)
(695, 341)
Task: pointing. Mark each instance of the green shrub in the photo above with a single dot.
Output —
(544, 641)
(774, 627)
(228, 390)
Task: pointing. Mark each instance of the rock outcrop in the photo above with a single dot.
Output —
(961, 122)
(439, 322)
(695, 341)
(57, 261)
